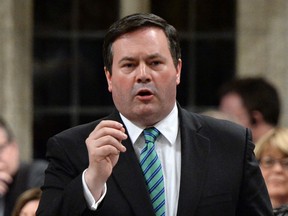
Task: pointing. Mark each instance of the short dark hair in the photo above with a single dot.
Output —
(7, 129)
(256, 94)
(134, 22)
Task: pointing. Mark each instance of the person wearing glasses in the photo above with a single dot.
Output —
(272, 153)
(16, 175)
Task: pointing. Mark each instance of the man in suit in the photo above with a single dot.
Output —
(207, 166)
(15, 176)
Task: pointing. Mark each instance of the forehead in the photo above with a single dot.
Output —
(146, 36)
(271, 150)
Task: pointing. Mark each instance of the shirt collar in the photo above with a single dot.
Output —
(168, 126)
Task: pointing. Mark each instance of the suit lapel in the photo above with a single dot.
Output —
(128, 175)
(194, 151)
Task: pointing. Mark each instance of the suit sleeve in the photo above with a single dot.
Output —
(36, 173)
(254, 199)
(62, 189)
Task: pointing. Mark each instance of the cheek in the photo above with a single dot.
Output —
(120, 85)
(120, 81)
(120, 89)
(265, 173)
(286, 176)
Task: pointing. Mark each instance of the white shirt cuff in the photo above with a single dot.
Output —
(92, 204)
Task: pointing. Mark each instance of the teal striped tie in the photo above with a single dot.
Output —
(152, 171)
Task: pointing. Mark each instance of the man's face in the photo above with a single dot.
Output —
(143, 79)
(9, 154)
(232, 104)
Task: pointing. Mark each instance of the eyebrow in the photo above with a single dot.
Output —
(126, 59)
(152, 56)
(156, 55)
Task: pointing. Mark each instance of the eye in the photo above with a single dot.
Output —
(155, 63)
(267, 161)
(128, 65)
(284, 162)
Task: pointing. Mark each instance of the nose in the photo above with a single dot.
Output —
(143, 74)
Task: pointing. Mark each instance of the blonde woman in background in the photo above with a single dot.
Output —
(272, 153)
(27, 203)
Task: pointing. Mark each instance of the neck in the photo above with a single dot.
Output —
(279, 201)
(260, 130)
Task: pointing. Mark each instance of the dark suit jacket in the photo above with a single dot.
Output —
(29, 175)
(219, 174)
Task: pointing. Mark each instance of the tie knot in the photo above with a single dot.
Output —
(151, 134)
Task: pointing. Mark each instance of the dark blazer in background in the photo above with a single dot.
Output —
(219, 174)
(28, 176)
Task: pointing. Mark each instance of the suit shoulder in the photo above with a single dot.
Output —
(207, 124)
(84, 129)
(211, 121)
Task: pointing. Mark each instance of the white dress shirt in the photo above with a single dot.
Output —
(168, 148)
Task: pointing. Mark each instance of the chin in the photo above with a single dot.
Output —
(145, 109)
(278, 191)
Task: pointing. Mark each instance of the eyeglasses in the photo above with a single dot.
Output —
(270, 162)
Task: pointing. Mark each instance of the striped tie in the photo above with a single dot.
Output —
(152, 171)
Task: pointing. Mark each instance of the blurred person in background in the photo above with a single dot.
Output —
(254, 102)
(27, 203)
(15, 176)
(215, 113)
(272, 153)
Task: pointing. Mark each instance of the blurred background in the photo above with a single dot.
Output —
(51, 68)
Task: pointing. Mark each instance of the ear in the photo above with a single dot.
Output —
(256, 118)
(178, 71)
(108, 78)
